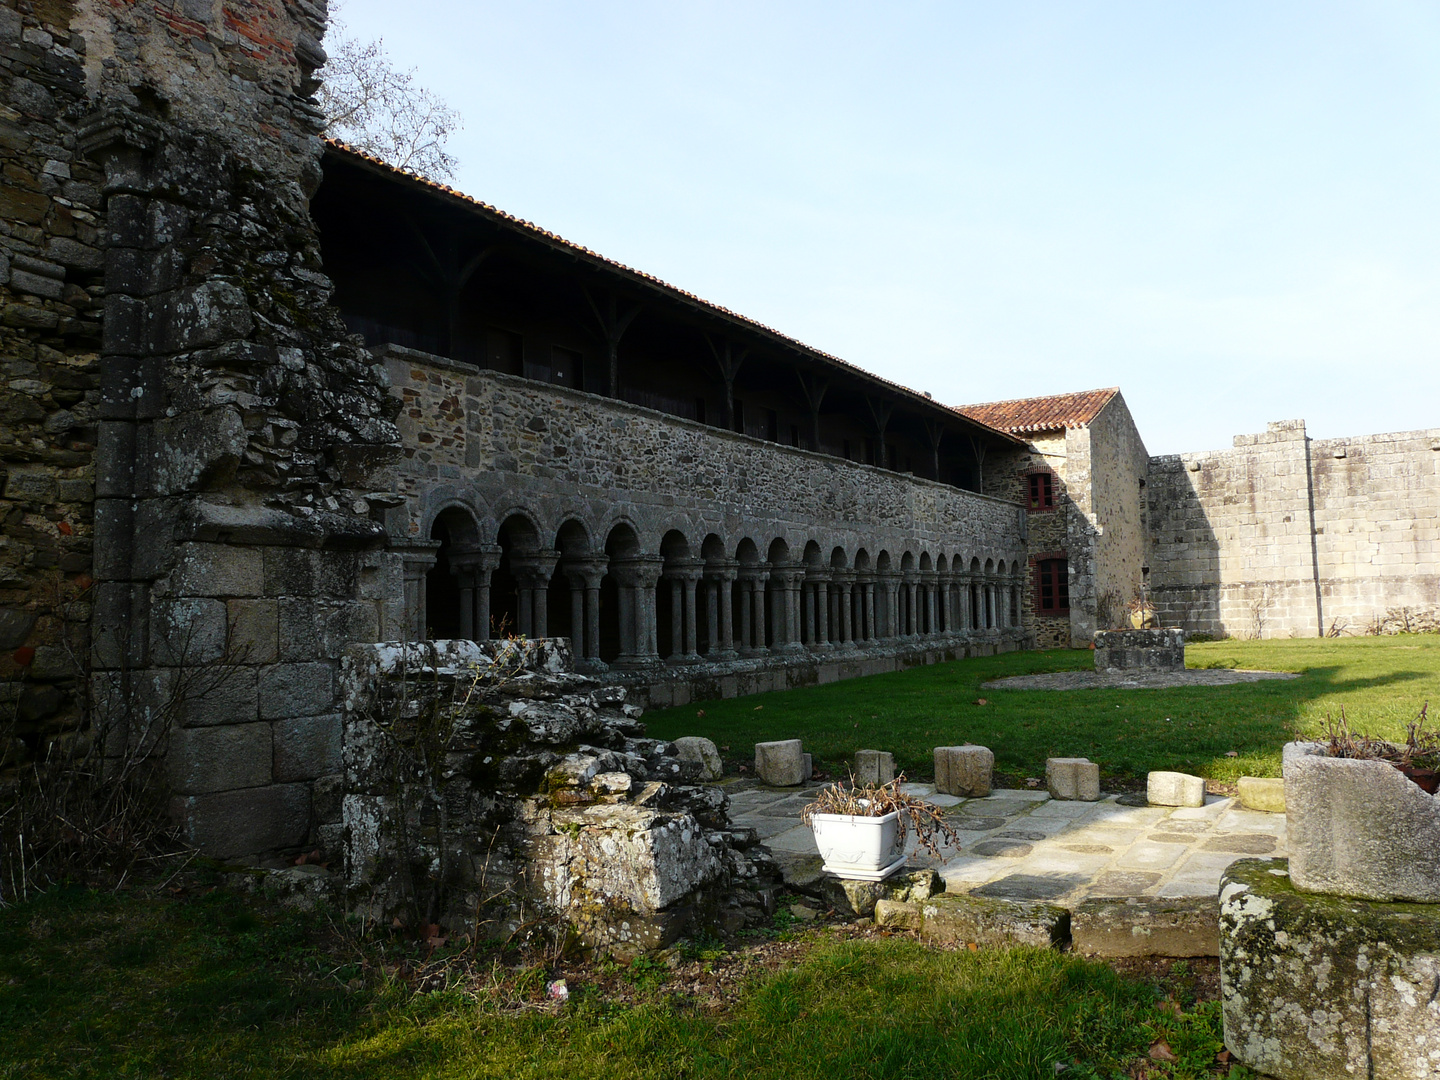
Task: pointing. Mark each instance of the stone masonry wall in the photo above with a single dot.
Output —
(237, 427)
(1113, 502)
(51, 292)
(498, 444)
(1284, 535)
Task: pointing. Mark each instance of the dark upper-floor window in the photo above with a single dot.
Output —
(1042, 491)
(1052, 589)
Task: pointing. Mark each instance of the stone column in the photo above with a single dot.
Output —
(625, 596)
(989, 604)
(820, 609)
(533, 571)
(473, 567)
(677, 620)
(651, 566)
(584, 576)
(912, 596)
(886, 627)
(789, 580)
(844, 608)
(683, 578)
(417, 556)
(932, 581)
(758, 606)
(636, 578)
(692, 640)
(752, 610)
(722, 575)
(868, 597)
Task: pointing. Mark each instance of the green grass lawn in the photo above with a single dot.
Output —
(219, 985)
(1380, 682)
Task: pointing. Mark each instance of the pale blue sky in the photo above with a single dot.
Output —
(1229, 210)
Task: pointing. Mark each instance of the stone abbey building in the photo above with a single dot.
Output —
(265, 397)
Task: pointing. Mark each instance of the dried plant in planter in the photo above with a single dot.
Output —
(1420, 753)
(877, 800)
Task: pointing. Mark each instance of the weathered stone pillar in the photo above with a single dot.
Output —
(912, 585)
(473, 567)
(989, 604)
(677, 620)
(931, 580)
(724, 575)
(683, 577)
(869, 600)
(844, 607)
(584, 576)
(625, 597)
(752, 610)
(692, 641)
(788, 582)
(819, 609)
(888, 616)
(417, 558)
(533, 570)
(649, 576)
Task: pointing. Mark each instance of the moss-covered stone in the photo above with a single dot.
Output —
(979, 920)
(1316, 986)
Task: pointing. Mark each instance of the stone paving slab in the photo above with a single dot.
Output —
(1025, 845)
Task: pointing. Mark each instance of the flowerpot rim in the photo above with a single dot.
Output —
(855, 817)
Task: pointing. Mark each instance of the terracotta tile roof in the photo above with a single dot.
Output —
(917, 398)
(1052, 413)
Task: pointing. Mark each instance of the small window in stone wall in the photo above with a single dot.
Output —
(1042, 491)
(1052, 586)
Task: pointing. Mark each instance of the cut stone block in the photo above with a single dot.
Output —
(1136, 926)
(1174, 789)
(957, 917)
(1140, 650)
(1265, 793)
(1359, 828)
(1073, 778)
(703, 752)
(963, 770)
(874, 766)
(898, 914)
(782, 764)
(1314, 988)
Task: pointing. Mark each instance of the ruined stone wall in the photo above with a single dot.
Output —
(498, 444)
(1111, 496)
(237, 427)
(488, 786)
(1284, 535)
(51, 292)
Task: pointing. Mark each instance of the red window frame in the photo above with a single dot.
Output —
(1052, 584)
(1040, 489)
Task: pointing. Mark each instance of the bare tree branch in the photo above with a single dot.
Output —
(381, 110)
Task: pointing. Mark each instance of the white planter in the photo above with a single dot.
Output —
(861, 848)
